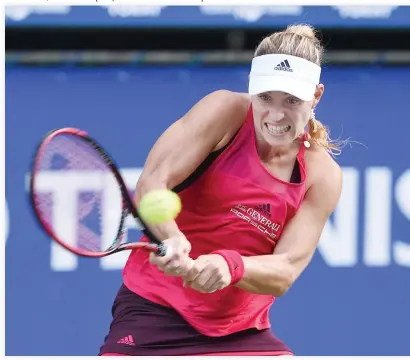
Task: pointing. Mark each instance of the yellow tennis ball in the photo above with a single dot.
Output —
(159, 206)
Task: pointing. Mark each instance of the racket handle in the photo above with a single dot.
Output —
(163, 250)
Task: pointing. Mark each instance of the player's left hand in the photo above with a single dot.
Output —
(208, 274)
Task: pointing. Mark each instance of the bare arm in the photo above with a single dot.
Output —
(274, 274)
(186, 143)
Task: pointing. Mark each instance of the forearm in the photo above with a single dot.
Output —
(267, 274)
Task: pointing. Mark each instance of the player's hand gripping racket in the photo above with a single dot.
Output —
(90, 221)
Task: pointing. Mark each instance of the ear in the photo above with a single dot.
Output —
(320, 89)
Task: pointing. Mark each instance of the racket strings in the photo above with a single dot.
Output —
(76, 153)
(93, 220)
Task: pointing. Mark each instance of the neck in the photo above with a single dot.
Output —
(268, 152)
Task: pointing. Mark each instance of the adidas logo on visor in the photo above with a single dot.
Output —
(284, 66)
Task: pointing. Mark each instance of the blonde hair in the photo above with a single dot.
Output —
(301, 41)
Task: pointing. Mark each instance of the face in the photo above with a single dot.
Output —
(280, 118)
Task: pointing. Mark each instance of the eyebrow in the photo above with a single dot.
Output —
(286, 94)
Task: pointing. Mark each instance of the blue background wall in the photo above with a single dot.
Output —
(354, 299)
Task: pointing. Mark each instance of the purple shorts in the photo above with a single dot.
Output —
(143, 328)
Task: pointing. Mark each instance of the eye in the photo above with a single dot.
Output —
(293, 101)
(264, 97)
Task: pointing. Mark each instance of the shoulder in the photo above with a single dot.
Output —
(226, 104)
(321, 166)
(325, 178)
(229, 99)
(228, 109)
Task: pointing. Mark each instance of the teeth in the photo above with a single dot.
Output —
(277, 130)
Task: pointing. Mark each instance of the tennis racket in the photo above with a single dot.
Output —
(91, 221)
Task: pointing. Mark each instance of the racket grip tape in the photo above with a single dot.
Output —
(163, 250)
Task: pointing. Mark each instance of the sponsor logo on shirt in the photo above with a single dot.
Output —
(258, 217)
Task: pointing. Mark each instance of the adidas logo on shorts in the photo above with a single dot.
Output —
(284, 66)
(128, 340)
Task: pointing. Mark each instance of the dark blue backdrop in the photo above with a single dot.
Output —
(209, 16)
(353, 300)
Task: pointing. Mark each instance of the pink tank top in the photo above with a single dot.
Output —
(235, 204)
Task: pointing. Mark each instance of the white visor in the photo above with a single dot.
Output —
(290, 74)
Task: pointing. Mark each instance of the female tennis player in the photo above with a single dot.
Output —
(257, 183)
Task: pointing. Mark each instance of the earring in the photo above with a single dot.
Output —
(313, 118)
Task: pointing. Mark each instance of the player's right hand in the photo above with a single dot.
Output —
(177, 262)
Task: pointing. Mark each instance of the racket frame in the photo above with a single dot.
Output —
(128, 206)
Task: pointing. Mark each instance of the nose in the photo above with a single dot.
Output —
(275, 116)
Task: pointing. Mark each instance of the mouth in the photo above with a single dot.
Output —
(277, 130)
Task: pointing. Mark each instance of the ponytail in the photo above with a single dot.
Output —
(319, 134)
